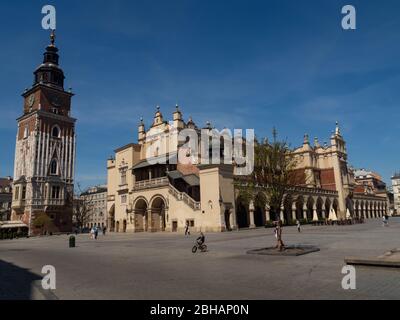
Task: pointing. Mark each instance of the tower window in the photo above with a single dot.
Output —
(23, 197)
(16, 193)
(55, 133)
(123, 177)
(53, 167)
(55, 192)
(26, 132)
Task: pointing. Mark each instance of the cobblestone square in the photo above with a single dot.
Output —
(161, 266)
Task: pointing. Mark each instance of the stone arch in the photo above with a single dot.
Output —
(140, 209)
(310, 208)
(260, 202)
(357, 209)
(111, 218)
(320, 208)
(379, 209)
(362, 208)
(328, 205)
(299, 208)
(335, 206)
(372, 209)
(287, 209)
(367, 209)
(158, 206)
(350, 205)
(242, 212)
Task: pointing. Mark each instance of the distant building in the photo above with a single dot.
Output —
(396, 192)
(96, 200)
(370, 182)
(5, 198)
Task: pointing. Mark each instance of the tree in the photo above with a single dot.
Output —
(44, 223)
(83, 208)
(273, 176)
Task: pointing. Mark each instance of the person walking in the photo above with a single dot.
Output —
(298, 224)
(96, 233)
(104, 231)
(92, 233)
(187, 229)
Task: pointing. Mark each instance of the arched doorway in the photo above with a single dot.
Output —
(361, 210)
(310, 209)
(349, 206)
(328, 205)
(158, 223)
(287, 210)
(320, 205)
(141, 218)
(111, 218)
(299, 208)
(335, 206)
(356, 209)
(228, 226)
(242, 213)
(259, 210)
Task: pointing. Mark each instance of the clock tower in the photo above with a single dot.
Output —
(45, 151)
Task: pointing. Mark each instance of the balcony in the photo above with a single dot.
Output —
(17, 204)
(54, 202)
(149, 184)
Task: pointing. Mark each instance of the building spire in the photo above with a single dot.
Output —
(306, 139)
(337, 130)
(49, 72)
(53, 38)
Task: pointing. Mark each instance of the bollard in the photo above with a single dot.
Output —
(72, 242)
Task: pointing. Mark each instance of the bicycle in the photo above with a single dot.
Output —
(201, 247)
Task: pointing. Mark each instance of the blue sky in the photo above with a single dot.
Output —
(240, 64)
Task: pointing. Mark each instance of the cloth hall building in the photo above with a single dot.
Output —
(145, 195)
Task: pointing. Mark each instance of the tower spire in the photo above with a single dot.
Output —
(49, 72)
(53, 38)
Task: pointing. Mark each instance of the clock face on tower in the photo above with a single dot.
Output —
(56, 101)
(31, 100)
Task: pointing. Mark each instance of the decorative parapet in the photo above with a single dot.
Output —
(149, 184)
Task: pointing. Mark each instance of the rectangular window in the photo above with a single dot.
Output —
(123, 177)
(123, 199)
(190, 223)
(23, 197)
(17, 193)
(55, 192)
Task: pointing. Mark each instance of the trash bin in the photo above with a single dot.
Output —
(72, 242)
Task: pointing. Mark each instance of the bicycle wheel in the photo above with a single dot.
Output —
(204, 248)
(194, 249)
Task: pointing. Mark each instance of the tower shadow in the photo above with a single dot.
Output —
(15, 282)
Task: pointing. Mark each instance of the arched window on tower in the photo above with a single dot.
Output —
(55, 132)
(26, 132)
(53, 167)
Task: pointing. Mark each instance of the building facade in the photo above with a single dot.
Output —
(396, 193)
(145, 193)
(96, 200)
(45, 149)
(5, 198)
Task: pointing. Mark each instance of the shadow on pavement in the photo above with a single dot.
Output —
(15, 282)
